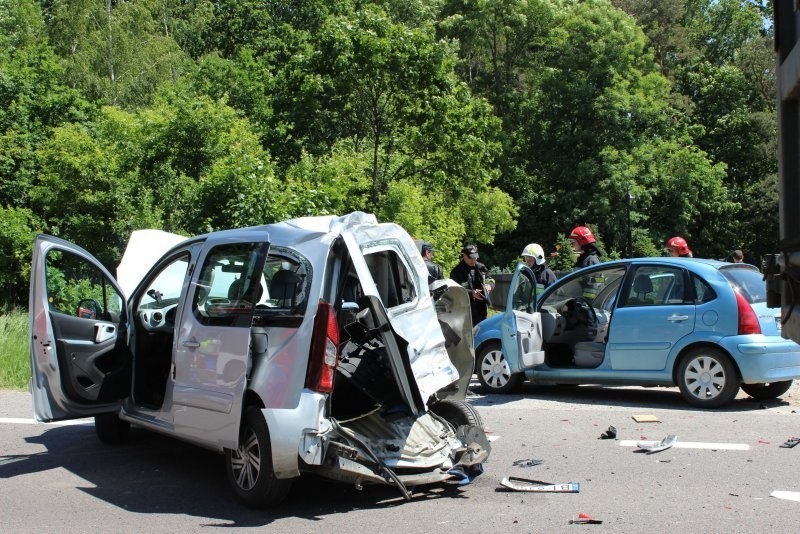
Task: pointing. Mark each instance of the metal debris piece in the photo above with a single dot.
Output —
(524, 484)
(651, 447)
(611, 433)
(791, 442)
(527, 463)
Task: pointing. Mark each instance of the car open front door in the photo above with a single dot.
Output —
(80, 365)
(521, 326)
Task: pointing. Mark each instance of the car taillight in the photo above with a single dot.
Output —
(748, 322)
(324, 350)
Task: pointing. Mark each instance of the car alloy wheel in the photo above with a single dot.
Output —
(707, 378)
(494, 373)
(249, 467)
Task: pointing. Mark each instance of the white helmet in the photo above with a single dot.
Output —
(535, 251)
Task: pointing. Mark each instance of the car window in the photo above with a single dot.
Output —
(656, 285)
(523, 294)
(165, 287)
(748, 281)
(392, 278)
(76, 287)
(227, 287)
(702, 291)
(599, 287)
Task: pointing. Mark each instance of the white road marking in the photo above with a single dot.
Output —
(22, 421)
(692, 445)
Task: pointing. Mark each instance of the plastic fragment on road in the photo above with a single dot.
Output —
(646, 418)
(791, 442)
(787, 495)
(585, 519)
(611, 433)
(524, 484)
(651, 447)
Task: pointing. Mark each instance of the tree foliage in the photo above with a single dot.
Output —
(496, 122)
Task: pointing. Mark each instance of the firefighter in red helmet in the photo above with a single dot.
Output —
(584, 243)
(677, 247)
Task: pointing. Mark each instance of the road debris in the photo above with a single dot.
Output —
(646, 418)
(611, 433)
(650, 447)
(527, 463)
(525, 484)
(585, 519)
(791, 442)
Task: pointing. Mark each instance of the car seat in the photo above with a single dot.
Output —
(642, 286)
(283, 288)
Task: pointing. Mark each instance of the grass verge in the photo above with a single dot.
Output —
(15, 367)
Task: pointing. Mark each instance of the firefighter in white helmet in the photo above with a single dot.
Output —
(533, 254)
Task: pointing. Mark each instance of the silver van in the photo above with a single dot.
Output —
(310, 345)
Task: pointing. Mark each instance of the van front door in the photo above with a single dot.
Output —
(80, 365)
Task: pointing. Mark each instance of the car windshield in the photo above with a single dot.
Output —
(748, 281)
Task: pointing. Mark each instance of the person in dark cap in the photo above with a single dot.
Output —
(471, 274)
(434, 269)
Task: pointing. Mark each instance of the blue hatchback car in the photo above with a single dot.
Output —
(702, 325)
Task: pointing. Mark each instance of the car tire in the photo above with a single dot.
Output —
(771, 390)
(707, 378)
(110, 429)
(494, 372)
(249, 468)
(457, 412)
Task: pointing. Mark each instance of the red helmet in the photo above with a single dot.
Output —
(680, 244)
(582, 235)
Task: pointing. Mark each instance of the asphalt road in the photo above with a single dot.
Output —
(60, 478)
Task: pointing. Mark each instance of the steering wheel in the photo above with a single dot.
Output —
(579, 311)
(582, 304)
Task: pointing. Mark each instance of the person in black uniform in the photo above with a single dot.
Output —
(434, 269)
(471, 274)
(533, 254)
(584, 243)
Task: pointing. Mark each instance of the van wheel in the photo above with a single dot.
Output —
(707, 378)
(457, 412)
(110, 429)
(494, 372)
(773, 390)
(249, 467)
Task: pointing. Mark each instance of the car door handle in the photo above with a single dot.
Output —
(104, 332)
(676, 318)
(191, 344)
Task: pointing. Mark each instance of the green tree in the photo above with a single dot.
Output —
(18, 227)
(115, 52)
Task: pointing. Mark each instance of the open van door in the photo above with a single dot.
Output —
(521, 326)
(80, 363)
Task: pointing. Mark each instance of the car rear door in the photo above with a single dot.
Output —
(212, 346)
(521, 326)
(80, 364)
(655, 312)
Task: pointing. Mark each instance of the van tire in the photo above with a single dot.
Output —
(249, 468)
(457, 413)
(110, 429)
